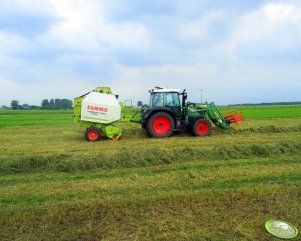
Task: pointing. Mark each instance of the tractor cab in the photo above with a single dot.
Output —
(170, 99)
(165, 98)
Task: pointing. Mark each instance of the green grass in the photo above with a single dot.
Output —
(263, 112)
(56, 186)
(35, 117)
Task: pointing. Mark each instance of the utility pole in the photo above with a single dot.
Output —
(17, 104)
(201, 95)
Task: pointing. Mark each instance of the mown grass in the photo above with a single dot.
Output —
(56, 186)
(137, 157)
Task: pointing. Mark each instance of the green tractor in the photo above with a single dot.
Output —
(168, 111)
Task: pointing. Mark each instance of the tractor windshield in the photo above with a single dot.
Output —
(171, 99)
(160, 99)
(156, 100)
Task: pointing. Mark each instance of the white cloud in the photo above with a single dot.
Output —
(87, 45)
(64, 85)
(198, 29)
(11, 43)
(85, 27)
(280, 12)
(5, 83)
(270, 25)
(27, 7)
(134, 82)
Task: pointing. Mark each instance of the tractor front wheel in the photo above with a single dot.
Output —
(201, 127)
(93, 134)
(160, 125)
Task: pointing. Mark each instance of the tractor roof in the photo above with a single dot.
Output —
(165, 90)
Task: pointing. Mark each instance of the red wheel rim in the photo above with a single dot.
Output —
(202, 127)
(93, 135)
(161, 125)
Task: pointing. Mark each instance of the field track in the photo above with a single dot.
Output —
(56, 186)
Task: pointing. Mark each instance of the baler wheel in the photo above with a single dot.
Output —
(93, 134)
(160, 125)
(201, 127)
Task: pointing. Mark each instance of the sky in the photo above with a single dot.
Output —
(236, 51)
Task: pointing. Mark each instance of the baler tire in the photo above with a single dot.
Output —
(201, 127)
(160, 125)
(93, 134)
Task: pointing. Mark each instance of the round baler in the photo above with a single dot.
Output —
(97, 111)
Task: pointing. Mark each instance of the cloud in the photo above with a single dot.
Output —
(274, 25)
(64, 48)
(27, 8)
(26, 18)
(84, 28)
(199, 28)
(134, 82)
(11, 43)
(7, 84)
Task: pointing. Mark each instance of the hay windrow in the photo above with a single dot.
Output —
(140, 157)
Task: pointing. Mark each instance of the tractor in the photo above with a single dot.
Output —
(99, 111)
(168, 111)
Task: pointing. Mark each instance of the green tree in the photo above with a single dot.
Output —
(34, 107)
(67, 104)
(45, 104)
(14, 104)
(25, 106)
(139, 103)
(51, 104)
(58, 104)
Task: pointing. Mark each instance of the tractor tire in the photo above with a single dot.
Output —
(201, 127)
(160, 125)
(93, 134)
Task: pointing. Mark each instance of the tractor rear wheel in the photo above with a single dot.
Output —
(93, 134)
(201, 127)
(160, 125)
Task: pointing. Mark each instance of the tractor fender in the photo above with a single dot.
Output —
(154, 110)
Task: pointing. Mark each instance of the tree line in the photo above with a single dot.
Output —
(57, 104)
(269, 103)
(52, 104)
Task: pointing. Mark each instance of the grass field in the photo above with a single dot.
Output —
(56, 186)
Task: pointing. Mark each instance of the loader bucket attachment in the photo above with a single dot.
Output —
(234, 117)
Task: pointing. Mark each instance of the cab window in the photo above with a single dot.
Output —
(156, 100)
(172, 99)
